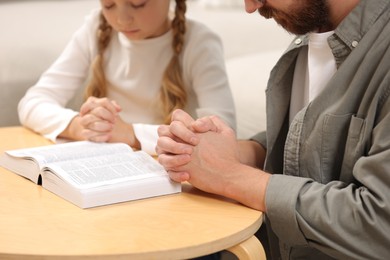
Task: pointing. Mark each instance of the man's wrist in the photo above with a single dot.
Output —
(249, 187)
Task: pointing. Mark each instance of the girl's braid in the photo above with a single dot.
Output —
(173, 94)
(97, 86)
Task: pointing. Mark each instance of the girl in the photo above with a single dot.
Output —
(143, 65)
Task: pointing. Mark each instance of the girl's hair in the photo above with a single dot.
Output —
(97, 86)
(172, 93)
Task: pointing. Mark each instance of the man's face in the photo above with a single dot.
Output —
(299, 16)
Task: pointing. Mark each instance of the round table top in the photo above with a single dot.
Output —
(36, 222)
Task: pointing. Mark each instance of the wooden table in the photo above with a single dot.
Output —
(37, 224)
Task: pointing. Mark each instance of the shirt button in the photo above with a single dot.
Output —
(298, 41)
(355, 44)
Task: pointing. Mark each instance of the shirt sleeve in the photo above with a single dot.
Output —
(344, 220)
(147, 135)
(204, 69)
(43, 108)
(261, 138)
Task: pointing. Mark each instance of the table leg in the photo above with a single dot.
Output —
(249, 249)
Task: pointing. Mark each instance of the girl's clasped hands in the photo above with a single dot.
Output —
(99, 121)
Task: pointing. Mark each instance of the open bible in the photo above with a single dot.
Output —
(92, 174)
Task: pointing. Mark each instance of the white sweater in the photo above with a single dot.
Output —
(134, 69)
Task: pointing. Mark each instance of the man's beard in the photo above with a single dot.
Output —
(308, 16)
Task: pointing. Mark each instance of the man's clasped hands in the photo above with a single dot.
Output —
(206, 153)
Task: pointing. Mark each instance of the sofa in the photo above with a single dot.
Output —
(35, 32)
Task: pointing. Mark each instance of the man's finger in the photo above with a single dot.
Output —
(205, 124)
(179, 176)
(163, 130)
(181, 132)
(173, 162)
(184, 117)
(170, 146)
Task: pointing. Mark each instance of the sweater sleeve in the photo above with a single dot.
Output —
(147, 136)
(43, 106)
(204, 68)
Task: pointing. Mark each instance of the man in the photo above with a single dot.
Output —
(321, 171)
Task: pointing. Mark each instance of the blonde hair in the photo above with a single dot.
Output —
(97, 86)
(172, 92)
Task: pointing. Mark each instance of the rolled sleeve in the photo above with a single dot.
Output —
(281, 199)
(261, 138)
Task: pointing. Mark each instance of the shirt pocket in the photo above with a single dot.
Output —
(335, 135)
(353, 148)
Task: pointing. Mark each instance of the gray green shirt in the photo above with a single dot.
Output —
(329, 195)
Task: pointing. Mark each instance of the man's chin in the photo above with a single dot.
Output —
(266, 12)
